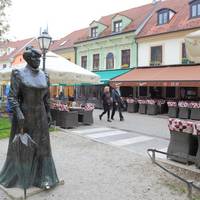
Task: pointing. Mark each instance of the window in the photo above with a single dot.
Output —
(170, 92)
(184, 55)
(94, 32)
(155, 92)
(195, 9)
(164, 16)
(189, 93)
(125, 58)
(117, 26)
(96, 62)
(156, 55)
(109, 61)
(84, 61)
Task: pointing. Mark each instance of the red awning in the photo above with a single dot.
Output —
(170, 76)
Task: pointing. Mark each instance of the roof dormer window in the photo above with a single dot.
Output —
(164, 16)
(195, 9)
(94, 32)
(117, 26)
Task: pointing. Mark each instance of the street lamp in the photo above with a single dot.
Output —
(44, 42)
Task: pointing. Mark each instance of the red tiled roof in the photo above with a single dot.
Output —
(180, 21)
(18, 47)
(137, 15)
(69, 40)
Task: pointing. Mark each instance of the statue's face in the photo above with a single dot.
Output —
(34, 61)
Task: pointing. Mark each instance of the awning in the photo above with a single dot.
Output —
(167, 76)
(107, 75)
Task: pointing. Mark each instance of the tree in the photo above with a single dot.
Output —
(4, 26)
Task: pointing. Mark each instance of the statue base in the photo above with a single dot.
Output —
(18, 193)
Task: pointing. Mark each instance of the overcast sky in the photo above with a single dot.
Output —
(62, 16)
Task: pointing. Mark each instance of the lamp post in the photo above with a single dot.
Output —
(44, 42)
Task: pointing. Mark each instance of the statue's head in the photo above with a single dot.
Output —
(32, 57)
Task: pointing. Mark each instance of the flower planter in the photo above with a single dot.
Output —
(182, 145)
(68, 119)
(182, 141)
(184, 113)
(86, 117)
(197, 161)
(195, 113)
(132, 107)
(58, 117)
(152, 109)
(173, 112)
(142, 108)
(195, 110)
(53, 114)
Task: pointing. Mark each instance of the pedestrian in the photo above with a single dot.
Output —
(61, 96)
(117, 102)
(106, 98)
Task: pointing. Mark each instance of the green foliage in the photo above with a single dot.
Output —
(4, 26)
(4, 127)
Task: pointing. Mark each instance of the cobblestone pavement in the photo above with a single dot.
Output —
(93, 170)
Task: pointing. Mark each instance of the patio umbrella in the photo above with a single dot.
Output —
(24, 149)
(192, 42)
(60, 70)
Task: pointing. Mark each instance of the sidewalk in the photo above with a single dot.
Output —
(156, 125)
(95, 171)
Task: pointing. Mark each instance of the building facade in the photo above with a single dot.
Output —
(161, 41)
(110, 42)
(115, 52)
(164, 71)
(165, 49)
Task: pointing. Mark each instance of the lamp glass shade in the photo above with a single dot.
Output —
(44, 41)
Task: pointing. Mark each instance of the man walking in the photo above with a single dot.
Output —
(117, 102)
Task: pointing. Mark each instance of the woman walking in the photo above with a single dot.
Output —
(106, 98)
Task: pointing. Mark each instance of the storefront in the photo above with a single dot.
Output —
(167, 82)
(93, 93)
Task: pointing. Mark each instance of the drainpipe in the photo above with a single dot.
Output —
(75, 50)
(137, 54)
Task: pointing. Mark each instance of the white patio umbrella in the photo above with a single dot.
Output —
(60, 70)
(192, 44)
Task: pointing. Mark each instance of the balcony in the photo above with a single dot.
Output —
(155, 63)
(186, 61)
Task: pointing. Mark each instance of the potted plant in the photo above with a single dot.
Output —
(197, 129)
(142, 106)
(172, 109)
(195, 110)
(86, 114)
(152, 107)
(184, 110)
(182, 141)
(132, 105)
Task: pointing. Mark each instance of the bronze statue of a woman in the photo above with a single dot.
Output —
(29, 100)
